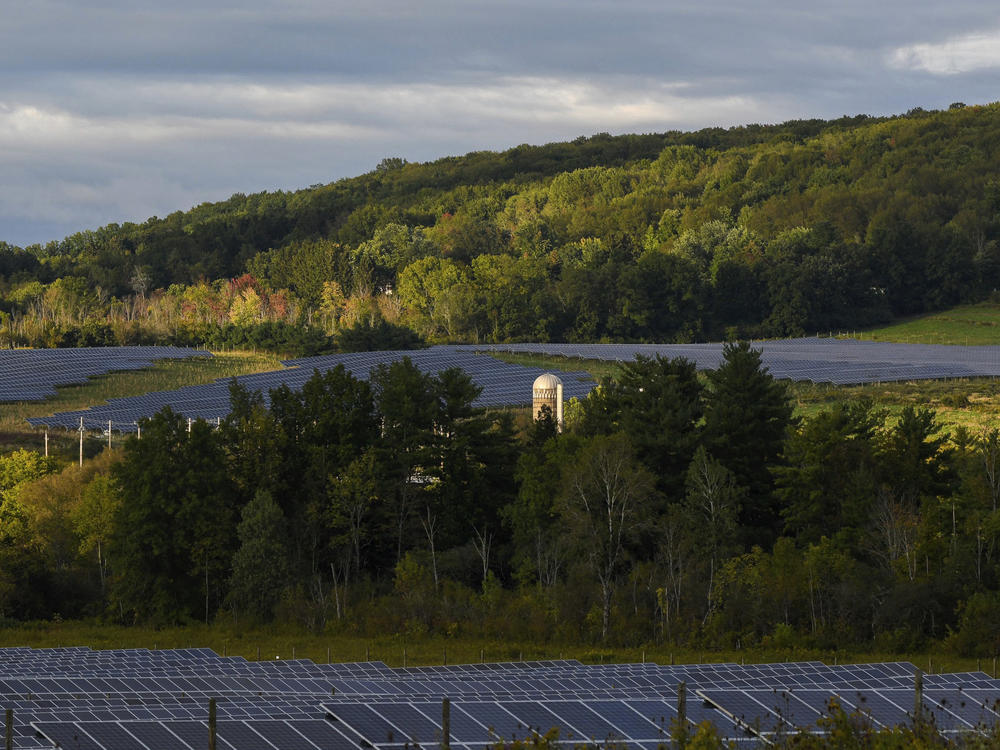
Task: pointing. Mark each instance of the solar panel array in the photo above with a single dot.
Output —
(148, 700)
(837, 361)
(33, 374)
(820, 360)
(503, 384)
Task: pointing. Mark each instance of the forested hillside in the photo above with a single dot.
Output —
(752, 231)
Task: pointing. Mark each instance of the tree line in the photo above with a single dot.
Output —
(756, 231)
(676, 507)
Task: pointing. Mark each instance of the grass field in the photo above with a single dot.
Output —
(966, 325)
(165, 375)
(399, 650)
(596, 367)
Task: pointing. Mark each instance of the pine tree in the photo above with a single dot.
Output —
(747, 415)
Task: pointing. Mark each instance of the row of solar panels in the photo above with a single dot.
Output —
(504, 384)
(84, 699)
(34, 374)
(837, 361)
(741, 717)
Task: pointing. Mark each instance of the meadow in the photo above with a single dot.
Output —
(966, 325)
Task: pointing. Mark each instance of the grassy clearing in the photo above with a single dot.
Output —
(596, 367)
(971, 403)
(395, 650)
(966, 325)
(165, 375)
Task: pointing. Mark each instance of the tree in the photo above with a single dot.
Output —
(353, 495)
(747, 415)
(260, 564)
(93, 519)
(173, 540)
(917, 458)
(604, 504)
(658, 403)
(407, 403)
(712, 503)
(831, 472)
(533, 516)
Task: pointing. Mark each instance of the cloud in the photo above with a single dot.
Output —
(119, 148)
(113, 110)
(962, 54)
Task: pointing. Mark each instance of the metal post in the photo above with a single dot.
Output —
(681, 716)
(189, 425)
(9, 730)
(46, 443)
(445, 724)
(81, 442)
(109, 434)
(138, 431)
(211, 724)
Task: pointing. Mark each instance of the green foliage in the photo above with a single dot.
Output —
(747, 415)
(365, 336)
(173, 539)
(259, 566)
(760, 230)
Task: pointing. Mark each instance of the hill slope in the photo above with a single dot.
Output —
(760, 230)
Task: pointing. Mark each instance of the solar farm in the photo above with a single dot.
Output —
(151, 700)
(34, 374)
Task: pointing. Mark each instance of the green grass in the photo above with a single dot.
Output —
(395, 650)
(966, 325)
(971, 403)
(165, 375)
(596, 367)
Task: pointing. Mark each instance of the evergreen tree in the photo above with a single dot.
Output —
(657, 402)
(747, 416)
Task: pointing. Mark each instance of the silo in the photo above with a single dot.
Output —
(548, 391)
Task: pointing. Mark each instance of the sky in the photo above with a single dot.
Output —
(114, 111)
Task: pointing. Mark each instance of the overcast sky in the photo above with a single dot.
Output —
(115, 111)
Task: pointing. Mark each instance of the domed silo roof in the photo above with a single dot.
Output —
(546, 382)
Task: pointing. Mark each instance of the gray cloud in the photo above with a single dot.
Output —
(116, 111)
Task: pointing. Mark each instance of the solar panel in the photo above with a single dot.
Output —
(107, 700)
(837, 361)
